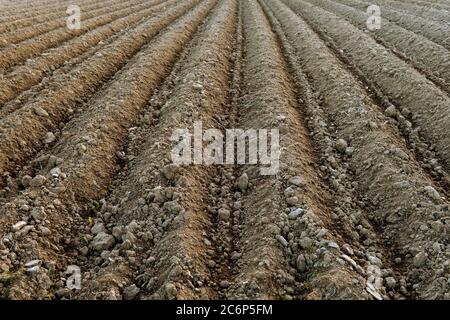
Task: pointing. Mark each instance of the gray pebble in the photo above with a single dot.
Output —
(243, 182)
(341, 145)
(420, 259)
(102, 241)
(130, 292)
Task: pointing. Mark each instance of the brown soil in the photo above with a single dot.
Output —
(359, 208)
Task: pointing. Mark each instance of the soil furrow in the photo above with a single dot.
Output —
(18, 20)
(19, 53)
(25, 76)
(84, 172)
(31, 9)
(432, 30)
(348, 219)
(225, 150)
(23, 131)
(414, 96)
(277, 209)
(421, 147)
(163, 206)
(50, 23)
(405, 44)
(225, 209)
(399, 197)
(424, 10)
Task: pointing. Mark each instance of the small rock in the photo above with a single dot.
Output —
(289, 192)
(151, 259)
(432, 193)
(437, 226)
(33, 270)
(292, 201)
(341, 145)
(353, 263)
(171, 290)
(40, 112)
(38, 213)
(173, 207)
(102, 241)
(26, 229)
(117, 232)
(306, 243)
(33, 263)
(133, 226)
(169, 171)
(420, 259)
(26, 181)
(198, 86)
(371, 289)
(63, 293)
(349, 151)
(130, 292)
(211, 263)
(37, 181)
(81, 148)
(243, 182)
(235, 255)
(49, 138)
(301, 263)
(158, 195)
(390, 112)
(97, 228)
(347, 249)
(390, 282)
(333, 245)
(84, 250)
(224, 214)
(19, 225)
(55, 172)
(375, 261)
(130, 237)
(296, 213)
(282, 240)
(296, 181)
(24, 207)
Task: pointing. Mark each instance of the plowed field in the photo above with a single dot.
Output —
(359, 208)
